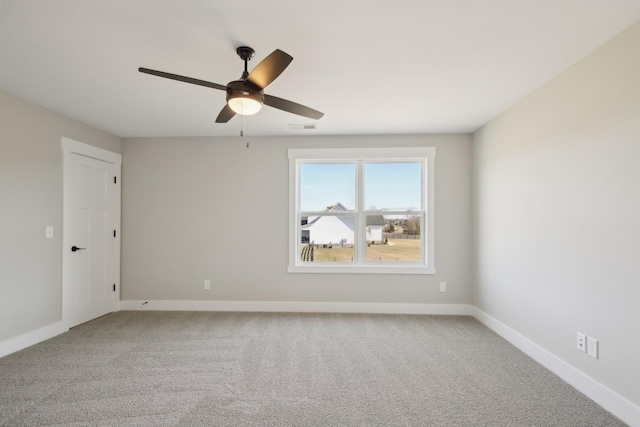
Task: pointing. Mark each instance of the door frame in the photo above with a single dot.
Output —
(69, 147)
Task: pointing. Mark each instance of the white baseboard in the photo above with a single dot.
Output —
(603, 396)
(299, 307)
(31, 338)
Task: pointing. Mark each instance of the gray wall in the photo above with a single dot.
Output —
(210, 208)
(557, 214)
(31, 199)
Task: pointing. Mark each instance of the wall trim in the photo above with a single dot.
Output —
(73, 146)
(298, 307)
(28, 339)
(611, 401)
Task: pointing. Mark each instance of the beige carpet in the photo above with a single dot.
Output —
(273, 369)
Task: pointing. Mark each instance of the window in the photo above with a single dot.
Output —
(361, 210)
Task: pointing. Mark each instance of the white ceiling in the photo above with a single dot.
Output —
(373, 67)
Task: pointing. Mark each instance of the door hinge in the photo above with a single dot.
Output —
(114, 287)
(115, 179)
(114, 233)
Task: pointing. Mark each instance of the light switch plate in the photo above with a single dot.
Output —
(443, 286)
(592, 347)
(49, 232)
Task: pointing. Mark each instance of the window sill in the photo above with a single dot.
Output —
(362, 269)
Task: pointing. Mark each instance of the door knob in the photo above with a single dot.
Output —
(75, 248)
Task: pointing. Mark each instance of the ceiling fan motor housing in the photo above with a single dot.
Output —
(240, 89)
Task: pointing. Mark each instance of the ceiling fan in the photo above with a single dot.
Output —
(246, 95)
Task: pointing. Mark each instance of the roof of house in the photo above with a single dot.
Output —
(347, 220)
(375, 220)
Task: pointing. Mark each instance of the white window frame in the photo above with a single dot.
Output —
(426, 155)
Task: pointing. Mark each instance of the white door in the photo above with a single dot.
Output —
(89, 251)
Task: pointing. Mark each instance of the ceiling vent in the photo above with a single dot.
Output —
(303, 127)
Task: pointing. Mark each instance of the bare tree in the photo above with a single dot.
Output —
(411, 225)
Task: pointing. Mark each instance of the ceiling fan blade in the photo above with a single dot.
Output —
(225, 115)
(292, 107)
(270, 68)
(182, 78)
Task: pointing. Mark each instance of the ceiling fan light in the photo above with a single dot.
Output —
(245, 104)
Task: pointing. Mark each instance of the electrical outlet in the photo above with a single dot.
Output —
(49, 232)
(592, 347)
(582, 342)
(443, 286)
(207, 284)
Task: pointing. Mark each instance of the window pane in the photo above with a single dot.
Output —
(392, 186)
(323, 186)
(393, 238)
(327, 238)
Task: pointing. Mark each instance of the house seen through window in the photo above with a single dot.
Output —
(361, 210)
